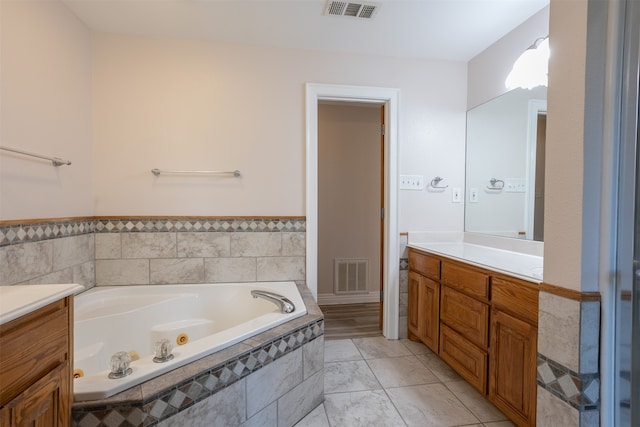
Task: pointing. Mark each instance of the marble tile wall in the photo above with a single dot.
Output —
(142, 258)
(152, 251)
(568, 372)
(60, 260)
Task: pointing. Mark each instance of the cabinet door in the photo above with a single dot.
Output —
(424, 310)
(512, 367)
(44, 404)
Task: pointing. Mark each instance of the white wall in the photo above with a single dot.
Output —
(489, 69)
(46, 108)
(204, 105)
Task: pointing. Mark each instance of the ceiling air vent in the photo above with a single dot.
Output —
(356, 10)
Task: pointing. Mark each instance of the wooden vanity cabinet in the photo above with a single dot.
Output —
(514, 338)
(487, 328)
(424, 299)
(35, 367)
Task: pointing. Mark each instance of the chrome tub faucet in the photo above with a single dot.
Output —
(285, 304)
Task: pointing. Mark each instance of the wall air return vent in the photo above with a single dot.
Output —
(356, 10)
(351, 276)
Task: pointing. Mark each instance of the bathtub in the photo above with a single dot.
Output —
(198, 319)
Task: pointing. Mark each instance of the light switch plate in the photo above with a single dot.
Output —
(473, 195)
(411, 182)
(456, 195)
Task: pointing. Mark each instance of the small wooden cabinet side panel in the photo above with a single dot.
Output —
(467, 316)
(426, 265)
(464, 357)
(413, 305)
(470, 280)
(512, 368)
(32, 345)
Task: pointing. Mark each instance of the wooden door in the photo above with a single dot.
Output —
(512, 367)
(429, 315)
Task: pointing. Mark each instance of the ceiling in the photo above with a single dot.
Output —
(434, 29)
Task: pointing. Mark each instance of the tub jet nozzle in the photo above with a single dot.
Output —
(119, 365)
(163, 351)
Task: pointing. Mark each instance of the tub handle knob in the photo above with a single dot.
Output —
(163, 351)
(119, 365)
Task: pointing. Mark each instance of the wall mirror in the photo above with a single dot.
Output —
(505, 165)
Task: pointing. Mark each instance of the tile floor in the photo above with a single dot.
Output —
(380, 382)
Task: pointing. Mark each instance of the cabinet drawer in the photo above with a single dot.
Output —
(466, 315)
(517, 297)
(32, 346)
(465, 358)
(424, 264)
(466, 279)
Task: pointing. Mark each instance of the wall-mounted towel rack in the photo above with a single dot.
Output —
(55, 161)
(157, 172)
(435, 181)
(496, 184)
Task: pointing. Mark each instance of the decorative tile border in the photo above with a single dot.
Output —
(23, 233)
(581, 391)
(36, 231)
(199, 387)
(404, 263)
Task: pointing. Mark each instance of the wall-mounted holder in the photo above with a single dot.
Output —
(157, 172)
(55, 161)
(496, 184)
(435, 181)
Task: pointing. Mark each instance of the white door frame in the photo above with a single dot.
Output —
(389, 97)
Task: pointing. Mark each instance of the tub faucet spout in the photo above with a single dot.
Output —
(285, 304)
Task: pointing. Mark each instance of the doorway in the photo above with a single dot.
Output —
(350, 221)
(390, 277)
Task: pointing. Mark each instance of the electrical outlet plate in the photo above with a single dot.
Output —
(411, 182)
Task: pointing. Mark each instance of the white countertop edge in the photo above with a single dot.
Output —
(19, 300)
(433, 248)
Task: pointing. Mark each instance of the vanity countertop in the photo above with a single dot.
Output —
(520, 265)
(18, 300)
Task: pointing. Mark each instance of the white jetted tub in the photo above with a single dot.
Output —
(196, 319)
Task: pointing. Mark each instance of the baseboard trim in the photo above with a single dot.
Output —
(335, 299)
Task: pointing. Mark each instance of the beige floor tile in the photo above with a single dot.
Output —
(315, 418)
(416, 347)
(439, 367)
(349, 376)
(401, 371)
(362, 409)
(340, 351)
(475, 402)
(378, 347)
(431, 405)
(505, 423)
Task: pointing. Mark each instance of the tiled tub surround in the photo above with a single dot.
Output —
(110, 251)
(272, 379)
(59, 260)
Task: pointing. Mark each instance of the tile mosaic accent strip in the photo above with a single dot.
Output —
(202, 385)
(33, 232)
(404, 263)
(581, 391)
(198, 225)
(22, 233)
